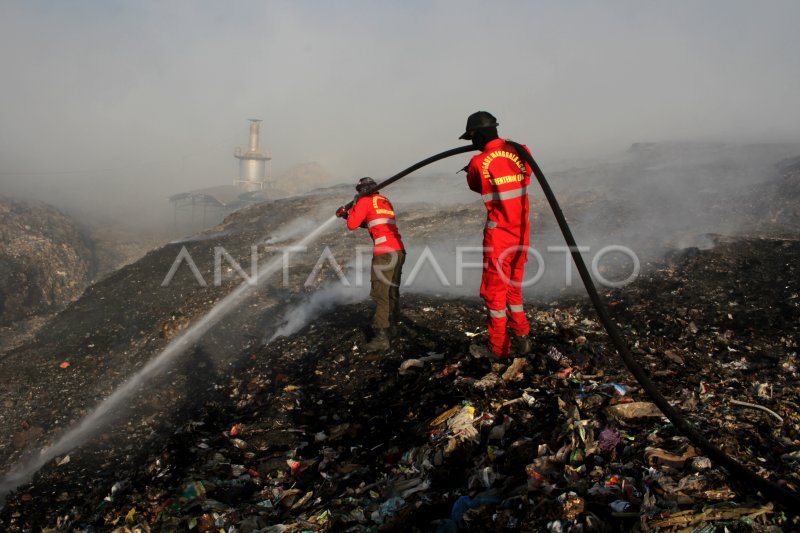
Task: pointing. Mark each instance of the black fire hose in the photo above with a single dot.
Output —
(388, 181)
(751, 479)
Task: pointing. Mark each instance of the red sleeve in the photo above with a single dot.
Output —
(358, 213)
(474, 176)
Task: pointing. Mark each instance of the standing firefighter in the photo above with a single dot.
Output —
(375, 212)
(501, 177)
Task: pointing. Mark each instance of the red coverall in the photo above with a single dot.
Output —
(502, 178)
(388, 255)
(378, 214)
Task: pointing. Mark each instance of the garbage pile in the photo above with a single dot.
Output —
(45, 262)
(310, 433)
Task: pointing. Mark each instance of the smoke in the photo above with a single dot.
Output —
(441, 189)
(202, 236)
(624, 211)
(290, 230)
(658, 195)
(107, 133)
(454, 270)
(89, 424)
(316, 304)
(165, 116)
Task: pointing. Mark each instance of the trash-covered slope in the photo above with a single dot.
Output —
(45, 262)
(128, 318)
(310, 433)
(48, 258)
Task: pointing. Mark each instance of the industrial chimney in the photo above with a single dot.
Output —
(252, 162)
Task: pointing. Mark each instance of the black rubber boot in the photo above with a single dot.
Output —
(521, 345)
(379, 342)
(481, 351)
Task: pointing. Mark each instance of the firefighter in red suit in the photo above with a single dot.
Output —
(502, 179)
(375, 212)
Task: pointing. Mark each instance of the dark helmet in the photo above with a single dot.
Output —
(365, 184)
(481, 119)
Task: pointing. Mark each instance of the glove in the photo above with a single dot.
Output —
(342, 212)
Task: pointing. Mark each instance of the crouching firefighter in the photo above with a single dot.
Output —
(502, 178)
(374, 212)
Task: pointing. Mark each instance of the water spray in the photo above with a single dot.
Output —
(78, 435)
(81, 432)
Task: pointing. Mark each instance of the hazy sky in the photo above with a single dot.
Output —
(136, 98)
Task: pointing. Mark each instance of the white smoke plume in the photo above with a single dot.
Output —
(316, 304)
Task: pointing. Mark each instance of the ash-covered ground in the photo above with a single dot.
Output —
(308, 432)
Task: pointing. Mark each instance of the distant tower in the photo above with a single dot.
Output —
(252, 162)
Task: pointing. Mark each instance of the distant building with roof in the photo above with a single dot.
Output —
(253, 185)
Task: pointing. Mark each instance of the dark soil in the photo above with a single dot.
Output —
(310, 433)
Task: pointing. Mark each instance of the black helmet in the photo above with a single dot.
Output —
(365, 184)
(481, 119)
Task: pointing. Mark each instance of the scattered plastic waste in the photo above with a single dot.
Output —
(408, 364)
(619, 388)
(608, 440)
(620, 506)
(572, 505)
(387, 508)
(465, 503)
(633, 410)
(192, 490)
(658, 457)
(308, 435)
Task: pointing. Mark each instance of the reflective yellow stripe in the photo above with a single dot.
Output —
(497, 313)
(516, 178)
(381, 221)
(380, 240)
(505, 195)
(515, 308)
